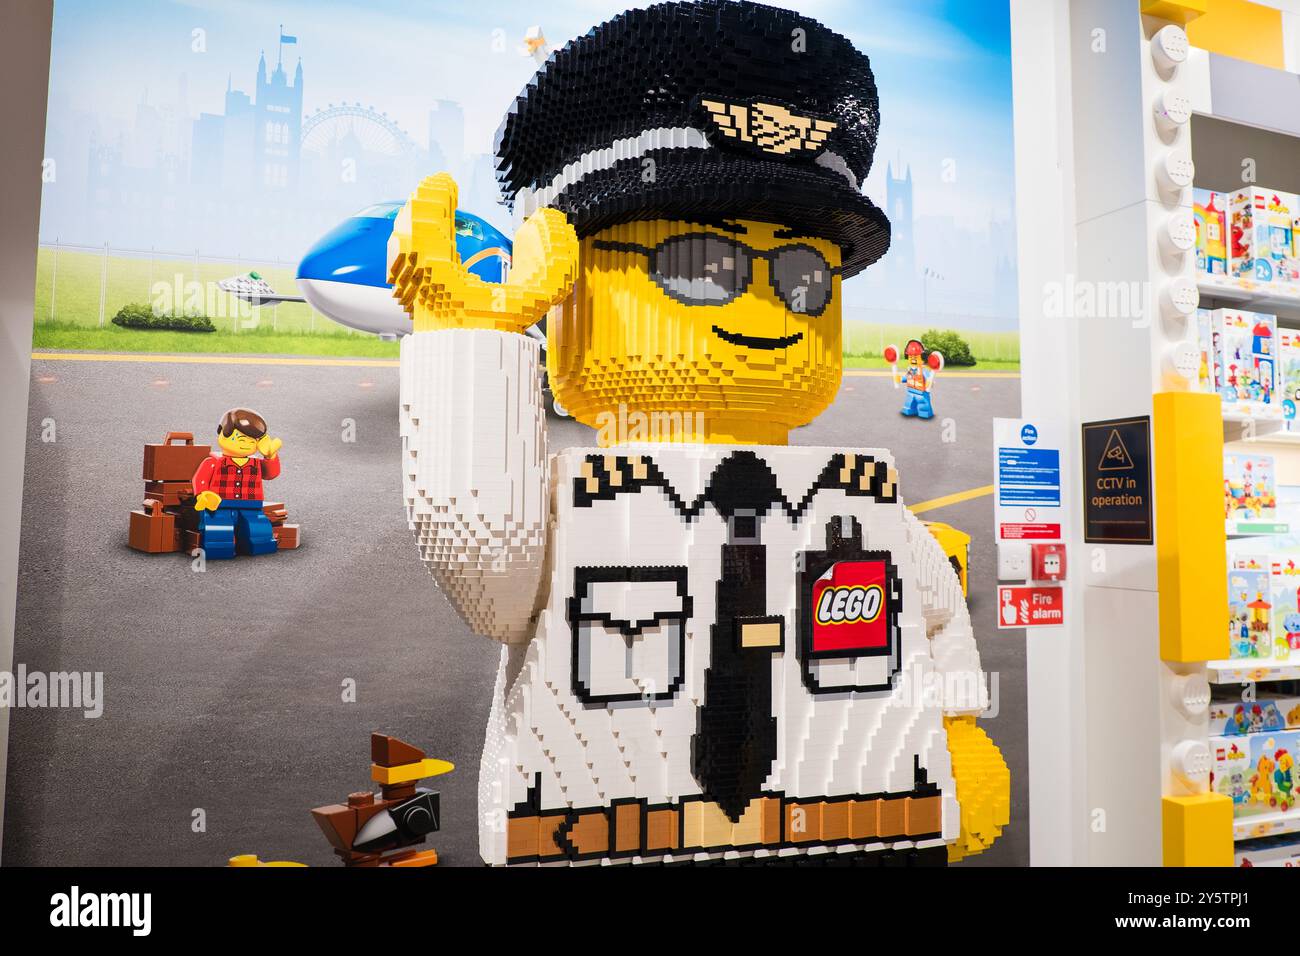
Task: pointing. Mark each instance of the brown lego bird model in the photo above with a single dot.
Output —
(382, 829)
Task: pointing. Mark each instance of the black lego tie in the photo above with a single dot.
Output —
(733, 749)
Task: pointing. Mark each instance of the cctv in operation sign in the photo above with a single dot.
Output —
(1117, 481)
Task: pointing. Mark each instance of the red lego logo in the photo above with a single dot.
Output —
(850, 605)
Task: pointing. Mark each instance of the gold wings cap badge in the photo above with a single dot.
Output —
(770, 127)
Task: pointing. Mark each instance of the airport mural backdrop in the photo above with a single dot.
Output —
(210, 165)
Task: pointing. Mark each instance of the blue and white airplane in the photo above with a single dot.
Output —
(344, 275)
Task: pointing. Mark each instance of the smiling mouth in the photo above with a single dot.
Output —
(756, 342)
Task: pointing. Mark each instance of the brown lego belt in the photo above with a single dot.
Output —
(633, 828)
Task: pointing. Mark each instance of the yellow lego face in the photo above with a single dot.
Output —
(237, 444)
(733, 329)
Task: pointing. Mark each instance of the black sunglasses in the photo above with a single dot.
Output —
(704, 268)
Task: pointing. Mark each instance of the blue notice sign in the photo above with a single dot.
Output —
(1029, 434)
(1029, 476)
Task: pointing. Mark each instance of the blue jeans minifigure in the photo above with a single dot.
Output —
(236, 525)
(918, 404)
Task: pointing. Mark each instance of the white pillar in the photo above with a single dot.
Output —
(25, 66)
(1089, 209)
(1045, 215)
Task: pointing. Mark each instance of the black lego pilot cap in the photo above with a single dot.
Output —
(701, 111)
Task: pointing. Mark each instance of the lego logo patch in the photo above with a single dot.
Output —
(848, 605)
(850, 608)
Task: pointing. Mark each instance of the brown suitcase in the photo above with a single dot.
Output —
(187, 541)
(171, 461)
(187, 519)
(170, 493)
(286, 536)
(275, 512)
(152, 529)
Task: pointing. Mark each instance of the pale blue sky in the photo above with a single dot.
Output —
(942, 66)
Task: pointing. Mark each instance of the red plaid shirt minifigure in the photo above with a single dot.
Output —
(228, 487)
(223, 475)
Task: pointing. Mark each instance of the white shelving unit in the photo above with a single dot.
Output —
(1256, 529)
(1108, 171)
(1265, 825)
(1253, 296)
(1274, 436)
(1246, 672)
(1266, 433)
(1269, 435)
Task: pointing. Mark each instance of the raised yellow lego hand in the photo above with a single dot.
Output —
(438, 292)
(207, 501)
(983, 787)
(268, 446)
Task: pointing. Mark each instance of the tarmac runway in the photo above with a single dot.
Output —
(225, 715)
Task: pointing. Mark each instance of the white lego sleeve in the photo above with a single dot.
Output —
(963, 689)
(474, 472)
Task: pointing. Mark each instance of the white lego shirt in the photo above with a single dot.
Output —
(620, 579)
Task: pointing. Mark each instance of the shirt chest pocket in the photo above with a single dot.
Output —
(628, 629)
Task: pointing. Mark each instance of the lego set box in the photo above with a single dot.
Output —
(1249, 491)
(1288, 375)
(1265, 713)
(1239, 360)
(1262, 231)
(1249, 234)
(1256, 771)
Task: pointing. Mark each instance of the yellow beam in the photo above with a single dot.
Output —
(1177, 11)
(1197, 830)
(1237, 28)
(1191, 543)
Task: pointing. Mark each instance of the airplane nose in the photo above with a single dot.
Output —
(356, 251)
(344, 276)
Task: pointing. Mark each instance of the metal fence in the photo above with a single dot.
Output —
(87, 285)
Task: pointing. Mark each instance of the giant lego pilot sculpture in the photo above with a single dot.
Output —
(714, 646)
